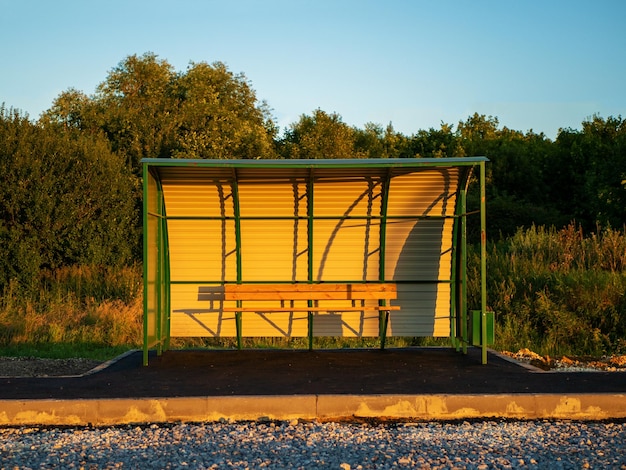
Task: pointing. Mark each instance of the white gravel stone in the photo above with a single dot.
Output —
(464, 445)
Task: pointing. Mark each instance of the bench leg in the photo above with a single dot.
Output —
(383, 317)
(310, 320)
(238, 326)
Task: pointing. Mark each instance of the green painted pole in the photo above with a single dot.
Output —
(145, 264)
(383, 316)
(463, 273)
(483, 264)
(237, 214)
(310, 239)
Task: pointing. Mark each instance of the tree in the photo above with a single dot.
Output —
(376, 142)
(588, 172)
(66, 199)
(147, 110)
(517, 183)
(219, 117)
(436, 143)
(70, 109)
(321, 135)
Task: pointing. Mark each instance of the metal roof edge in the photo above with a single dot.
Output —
(315, 163)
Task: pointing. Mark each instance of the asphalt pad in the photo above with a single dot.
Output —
(259, 372)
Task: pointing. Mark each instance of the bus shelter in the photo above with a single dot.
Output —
(210, 224)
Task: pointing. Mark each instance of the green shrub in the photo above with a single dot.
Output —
(557, 291)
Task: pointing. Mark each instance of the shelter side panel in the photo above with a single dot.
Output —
(151, 260)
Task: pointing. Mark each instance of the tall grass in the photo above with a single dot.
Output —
(87, 307)
(553, 291)
(557, 291)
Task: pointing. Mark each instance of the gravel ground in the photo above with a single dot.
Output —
(311, 445)
(40, 367)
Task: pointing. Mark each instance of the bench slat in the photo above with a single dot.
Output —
(288, 294)
(309, 292)
(310, 309)
(323, 287)
(277, 295)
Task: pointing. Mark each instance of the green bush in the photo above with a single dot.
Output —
(66, 200)
(557, 291)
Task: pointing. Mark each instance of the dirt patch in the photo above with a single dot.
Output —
(571, 363)
(39, 367)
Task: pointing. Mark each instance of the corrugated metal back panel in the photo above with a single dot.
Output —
(345, 197)
(273, 250)
(421, 250)
(423, 193)
(418, 250)
(202, 250)
(273, 198)
(344, 248)
(425, 310)
(201, 193)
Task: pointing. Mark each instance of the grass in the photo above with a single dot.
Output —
(556, 292)
(100, 352)
(76, 312)
(327, 342)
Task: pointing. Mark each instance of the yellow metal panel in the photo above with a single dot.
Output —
(282, 324)
(348, 324)
(422, 193)
(425, 310)
(206, 198)
(346, 250)
(202, 250)
(349, 197)
(195, 313)
(419, 250)
(343, 249)
(191, 324)
(274, 250)
(273, 199)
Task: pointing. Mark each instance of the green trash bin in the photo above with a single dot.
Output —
(475, 329)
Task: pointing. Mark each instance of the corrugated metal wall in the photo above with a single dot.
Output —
(204, 208)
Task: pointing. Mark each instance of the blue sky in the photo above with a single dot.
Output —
(534, 64)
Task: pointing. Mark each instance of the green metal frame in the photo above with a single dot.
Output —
(459, 314)
(383, 315)
(483, 264)
(237, 214)
(310, 218)
(159, 321)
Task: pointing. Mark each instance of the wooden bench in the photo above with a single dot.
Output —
(307, 297)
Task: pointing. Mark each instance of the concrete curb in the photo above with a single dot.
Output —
(109, 412)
